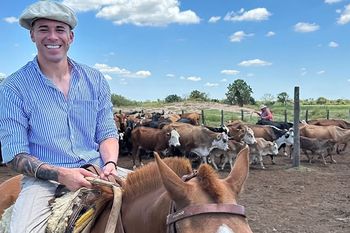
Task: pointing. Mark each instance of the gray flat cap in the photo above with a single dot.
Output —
(48, 10)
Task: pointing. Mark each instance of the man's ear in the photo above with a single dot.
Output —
(32, 35)
(71, 36)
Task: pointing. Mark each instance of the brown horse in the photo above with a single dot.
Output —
(157, 200)
(9, 191)
(205, 203)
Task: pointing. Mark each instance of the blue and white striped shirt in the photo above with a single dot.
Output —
(36, 118)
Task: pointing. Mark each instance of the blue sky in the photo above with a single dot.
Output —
(149, 49)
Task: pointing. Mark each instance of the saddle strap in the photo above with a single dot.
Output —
(114, 214)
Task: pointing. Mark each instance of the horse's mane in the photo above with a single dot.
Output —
(147, 178)
(209, 181)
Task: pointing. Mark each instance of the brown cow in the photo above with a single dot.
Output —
(335, 133)
(191, 118)
(152, 139)
(326, 122)
(198, 139)
(321, 147)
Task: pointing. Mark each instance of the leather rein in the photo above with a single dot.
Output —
(193, 210)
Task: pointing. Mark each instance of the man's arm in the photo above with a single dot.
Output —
(28, 165)
(109, 150)
(72, 178)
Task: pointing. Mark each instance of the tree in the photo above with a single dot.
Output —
(268, 99)
(173, 98)
(197, 95)
(321, 100)
(239, 92)
(283, 98)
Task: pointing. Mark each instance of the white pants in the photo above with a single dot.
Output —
(31, 210)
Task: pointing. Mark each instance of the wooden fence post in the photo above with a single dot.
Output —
(327, 114)
(222, 118)
(285, 115)
(203, 118)
(307, 115)
(296, 146)
(242, 115)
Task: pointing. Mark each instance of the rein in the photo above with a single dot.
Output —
(193, 210)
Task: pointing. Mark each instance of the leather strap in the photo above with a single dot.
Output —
(114, 214)
(192, 210)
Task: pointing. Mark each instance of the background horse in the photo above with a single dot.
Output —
(151, 191)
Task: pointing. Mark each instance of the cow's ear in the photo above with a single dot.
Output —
(176, 187)
(239, 172)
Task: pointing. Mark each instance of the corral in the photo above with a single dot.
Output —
(312, 199)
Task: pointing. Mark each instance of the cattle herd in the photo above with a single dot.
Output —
(171, 134)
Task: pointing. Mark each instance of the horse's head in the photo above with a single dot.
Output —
(207, 203)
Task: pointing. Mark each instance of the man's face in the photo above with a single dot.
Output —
(52, 39)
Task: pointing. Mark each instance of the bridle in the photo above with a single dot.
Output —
(193, 210)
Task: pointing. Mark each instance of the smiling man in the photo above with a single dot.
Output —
(55, 116)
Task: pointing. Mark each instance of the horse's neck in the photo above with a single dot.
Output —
(150, 209)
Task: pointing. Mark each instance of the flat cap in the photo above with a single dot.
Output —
(48, 10)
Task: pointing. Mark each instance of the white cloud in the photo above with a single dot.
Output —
(2, 75)
(254, 62)
(230, 72)
(170, 75)
(106, 69)
(270, 33)
(140, 13)
(239, 36)
(332, 1)
(321, 72)
(306, 27)
(345, 16)
(108, 77)
(194, 78)
(257, 14)
(223, 80)
(11, 19)
(214, 19)
(333, 44)
(211, 84)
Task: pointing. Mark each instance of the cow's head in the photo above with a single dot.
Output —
(221, 141)
(249, 137)
(287, 138)
(274, 148)
(174, 138)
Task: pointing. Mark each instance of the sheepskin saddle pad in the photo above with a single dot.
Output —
(75, 210)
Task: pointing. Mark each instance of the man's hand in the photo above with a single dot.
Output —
(74, 178)
(109, 169)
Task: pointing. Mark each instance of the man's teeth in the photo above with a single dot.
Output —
(52, 46)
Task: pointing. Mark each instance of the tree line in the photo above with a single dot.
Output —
(238, 93)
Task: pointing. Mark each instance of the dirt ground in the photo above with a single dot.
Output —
(312, 199)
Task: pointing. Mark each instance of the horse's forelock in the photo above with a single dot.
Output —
(147, 178)
(209, 181)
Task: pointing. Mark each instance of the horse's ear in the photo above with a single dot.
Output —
(176, 188)
(239, 172)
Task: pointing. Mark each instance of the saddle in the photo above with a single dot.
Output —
(75, 212)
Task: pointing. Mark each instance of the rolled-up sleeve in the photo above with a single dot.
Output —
(105, 127)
